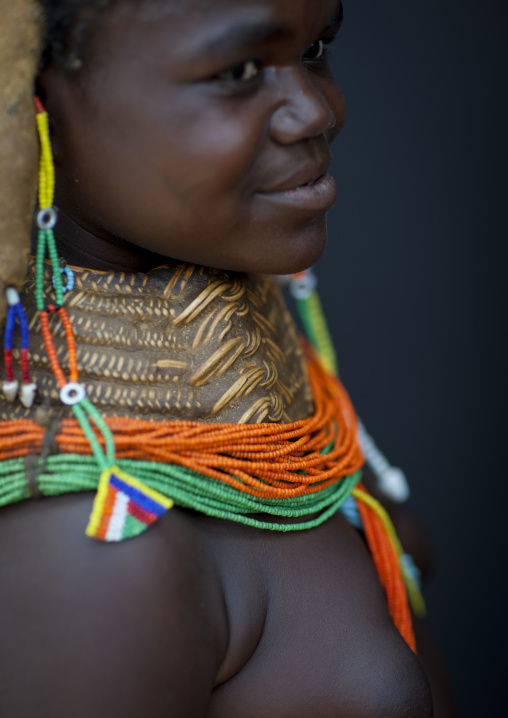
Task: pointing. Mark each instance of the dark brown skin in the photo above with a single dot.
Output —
(158, 154)
(196, 618)
(155, 147)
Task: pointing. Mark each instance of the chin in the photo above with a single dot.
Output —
(301, 251)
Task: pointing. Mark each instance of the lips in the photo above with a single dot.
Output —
(303, 177)
(304, 199)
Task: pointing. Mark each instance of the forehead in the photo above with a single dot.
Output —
(292, 16)
(179, 37)
(160, 8)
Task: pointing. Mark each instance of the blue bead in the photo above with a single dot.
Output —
(10, 324)
(69, 274)
(23, 325)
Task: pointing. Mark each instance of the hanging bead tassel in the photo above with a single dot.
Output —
(387, 564)
(393, 566)
(10, 387)
(123, 506)
(303, 288)
(391, 480)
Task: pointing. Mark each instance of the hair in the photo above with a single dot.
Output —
(66, 25)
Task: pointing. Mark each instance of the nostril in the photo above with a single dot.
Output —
(303, 109)
(293, 124)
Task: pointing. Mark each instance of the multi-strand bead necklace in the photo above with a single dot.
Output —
(305, 470)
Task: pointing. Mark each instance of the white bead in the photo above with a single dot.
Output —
(46, 218)
(391, 480)
(394, 485)
(72, 393)
(12, 296)
(302, 287)
(27, 394)
(10, 390)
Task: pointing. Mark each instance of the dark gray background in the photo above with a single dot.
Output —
(413, 284)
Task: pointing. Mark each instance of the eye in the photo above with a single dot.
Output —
(315, 51)
(242, 72)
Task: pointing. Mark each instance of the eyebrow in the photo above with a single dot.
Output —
(242, 34)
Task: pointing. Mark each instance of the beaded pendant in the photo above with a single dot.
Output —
(124, 507)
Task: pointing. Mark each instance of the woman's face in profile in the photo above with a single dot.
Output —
(194, 127)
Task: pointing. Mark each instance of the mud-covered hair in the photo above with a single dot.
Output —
(66, 24)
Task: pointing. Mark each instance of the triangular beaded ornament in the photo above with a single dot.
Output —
(124, 507)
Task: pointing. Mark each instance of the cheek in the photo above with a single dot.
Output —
(151, 189)
(206, 179)
(178, 160)
(215, 153)
(179, 148)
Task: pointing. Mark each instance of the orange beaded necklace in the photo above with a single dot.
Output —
(241, 469)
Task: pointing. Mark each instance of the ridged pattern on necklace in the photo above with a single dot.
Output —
(180, 342)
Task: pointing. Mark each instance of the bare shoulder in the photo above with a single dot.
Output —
(136, 628)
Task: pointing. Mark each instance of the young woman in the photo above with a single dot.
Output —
(191, 141)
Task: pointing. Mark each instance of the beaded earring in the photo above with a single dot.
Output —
(391, 481)
(123, 506)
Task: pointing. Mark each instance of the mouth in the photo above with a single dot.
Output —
(308, 175)
(316, 195)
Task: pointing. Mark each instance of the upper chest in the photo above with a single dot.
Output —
(310, 633)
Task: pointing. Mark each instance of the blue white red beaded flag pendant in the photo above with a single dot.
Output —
(124, 507)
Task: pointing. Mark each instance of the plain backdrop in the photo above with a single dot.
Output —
(413, 283)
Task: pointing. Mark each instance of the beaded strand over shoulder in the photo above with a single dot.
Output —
(306, 469)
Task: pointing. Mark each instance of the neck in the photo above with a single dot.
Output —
(178, 342)
(92, 248)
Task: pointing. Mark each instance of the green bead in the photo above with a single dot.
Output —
(68, 473)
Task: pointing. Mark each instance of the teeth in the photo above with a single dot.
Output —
(10, 390)
(27, 394)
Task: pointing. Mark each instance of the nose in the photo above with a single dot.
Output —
(303, 110)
